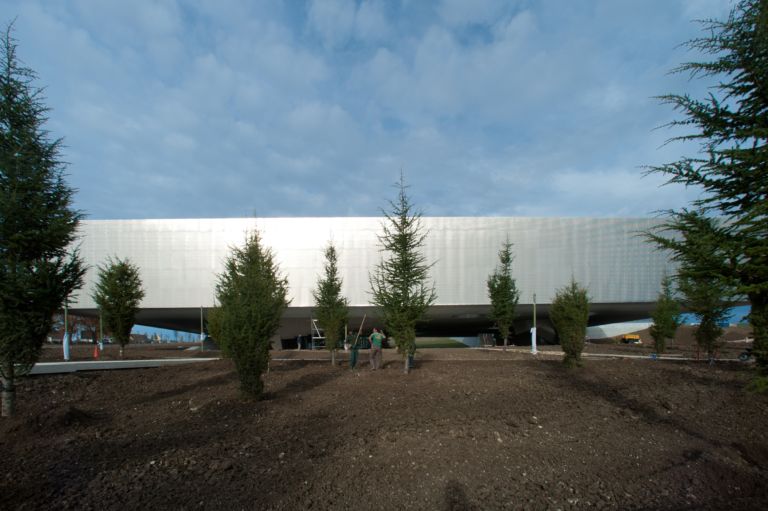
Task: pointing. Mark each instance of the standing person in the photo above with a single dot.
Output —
(377, 339)
(351, 340)
(298, 341)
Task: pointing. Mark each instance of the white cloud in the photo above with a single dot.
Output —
(705, 9)
(371, 22)
(333, 20)
(339, 21)
(610, 97)
(613, 192)
(460, 12)
(224, 108)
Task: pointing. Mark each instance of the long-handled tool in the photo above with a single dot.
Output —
(353, 355)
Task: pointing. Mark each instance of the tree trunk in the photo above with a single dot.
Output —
(406, 366)
(504, 332)
(333, 358)
(122, 351)
(758, 318)
(8, 398)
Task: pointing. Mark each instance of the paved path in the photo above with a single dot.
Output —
(100, 365)
(363, 358)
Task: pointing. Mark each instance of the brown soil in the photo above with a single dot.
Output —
(730, 345)
(84, 351)
(467, 429)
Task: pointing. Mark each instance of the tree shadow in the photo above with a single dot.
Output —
(284, 366)
(573, 380)
(455, 498)
(707, 375)
(309, 381)
(217, 380)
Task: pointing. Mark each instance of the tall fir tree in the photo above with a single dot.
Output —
(118, 294)
(706, 298)
(569, 313)
(731, 124)
(213, 321)
(251, 293)
(330, 305)
(503, 293)
(703, 275)
(665, 316)
(399, 284)
(38, 269)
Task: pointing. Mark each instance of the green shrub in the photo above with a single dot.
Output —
(569, 314)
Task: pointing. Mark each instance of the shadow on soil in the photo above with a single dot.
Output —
(284, 366)
(197, 445)
(574, 379)
(456, 497)
(309, 381)
(217, 380)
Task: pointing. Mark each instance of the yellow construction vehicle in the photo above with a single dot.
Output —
(631, 339)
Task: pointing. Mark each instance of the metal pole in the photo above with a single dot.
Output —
(202, 333)
(65, 337)
(533, 330)
(346, 337)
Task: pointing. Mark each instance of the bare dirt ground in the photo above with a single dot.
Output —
(467, 429)
(84, 351)
(730, 345)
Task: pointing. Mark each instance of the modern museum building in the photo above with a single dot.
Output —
(180, 259)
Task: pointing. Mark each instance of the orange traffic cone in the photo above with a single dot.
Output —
(95, 351)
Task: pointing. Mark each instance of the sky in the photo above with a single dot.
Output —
(242, 108)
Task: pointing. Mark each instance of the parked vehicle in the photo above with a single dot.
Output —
(631, 339)
(745, 355)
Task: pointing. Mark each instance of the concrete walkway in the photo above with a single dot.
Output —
(100, 365)
(675, 357)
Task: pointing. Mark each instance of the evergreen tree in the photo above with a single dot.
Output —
(330, 305)
(570, 314)
(118, 295)
(503, 292)
(705, 298)
(399, 283)
(666, 317)
(215, 329)
(703, 274)
(732, 169)
(37, 224)
(252, 297)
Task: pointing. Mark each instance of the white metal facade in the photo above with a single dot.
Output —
(179, 259)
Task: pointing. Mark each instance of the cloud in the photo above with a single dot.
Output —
(337, 22)
(706, 9)
(458, 13)
(224, 108)
(371, 22)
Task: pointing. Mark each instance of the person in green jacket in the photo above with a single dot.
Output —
(377, 340)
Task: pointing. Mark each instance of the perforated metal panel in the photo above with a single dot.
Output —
(179, 259)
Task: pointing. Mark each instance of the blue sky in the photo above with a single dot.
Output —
(222, 108)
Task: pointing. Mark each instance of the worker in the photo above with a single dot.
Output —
(377, 340)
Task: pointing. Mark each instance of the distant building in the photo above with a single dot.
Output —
(180, 259)
(140, 339)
